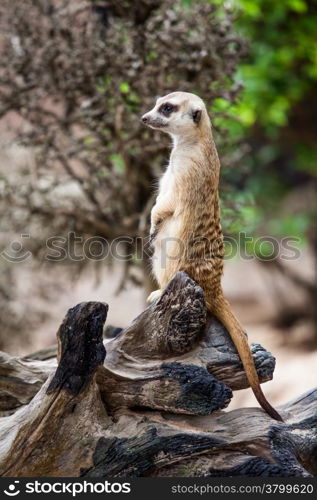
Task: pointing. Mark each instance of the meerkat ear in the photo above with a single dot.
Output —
(196, 115)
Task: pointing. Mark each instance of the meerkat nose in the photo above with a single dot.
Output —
(144, 119)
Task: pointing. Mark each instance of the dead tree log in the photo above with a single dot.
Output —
(148, 405)
(20, 380)
(171, 351)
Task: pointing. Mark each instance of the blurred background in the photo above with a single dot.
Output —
(78, 171)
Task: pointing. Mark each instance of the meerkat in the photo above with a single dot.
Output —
(185, 220)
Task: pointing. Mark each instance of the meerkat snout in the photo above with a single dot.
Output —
(153, 120)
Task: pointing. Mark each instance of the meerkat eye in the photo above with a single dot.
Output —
(167, 108)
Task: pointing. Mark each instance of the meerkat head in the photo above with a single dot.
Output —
(179, 114)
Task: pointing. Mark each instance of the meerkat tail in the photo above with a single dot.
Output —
(222, 310)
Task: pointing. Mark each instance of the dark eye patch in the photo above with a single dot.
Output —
(167, 108)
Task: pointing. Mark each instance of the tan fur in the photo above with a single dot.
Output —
(185, 220)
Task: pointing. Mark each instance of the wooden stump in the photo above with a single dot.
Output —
(147, 402)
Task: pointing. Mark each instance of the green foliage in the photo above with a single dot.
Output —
(117, 161)
(271, 113)
(282, 65)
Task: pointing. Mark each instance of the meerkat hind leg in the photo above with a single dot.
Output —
(154, 296)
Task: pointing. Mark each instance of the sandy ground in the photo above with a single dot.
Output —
(246, 286)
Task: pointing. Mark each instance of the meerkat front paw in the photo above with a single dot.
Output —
(154, 296)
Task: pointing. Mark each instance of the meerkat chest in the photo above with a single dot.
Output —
(171, 181)
(167, 182)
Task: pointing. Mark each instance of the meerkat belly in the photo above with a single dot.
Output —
(168, 249)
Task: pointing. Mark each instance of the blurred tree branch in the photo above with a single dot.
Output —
(79, 74)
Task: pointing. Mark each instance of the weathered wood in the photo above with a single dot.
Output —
(135, 375)
(43, 354)
(66, 429)
(171, 351)
(20, 380)
(80, 347)
(244, 442)
(53, 435)
(197, 353)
